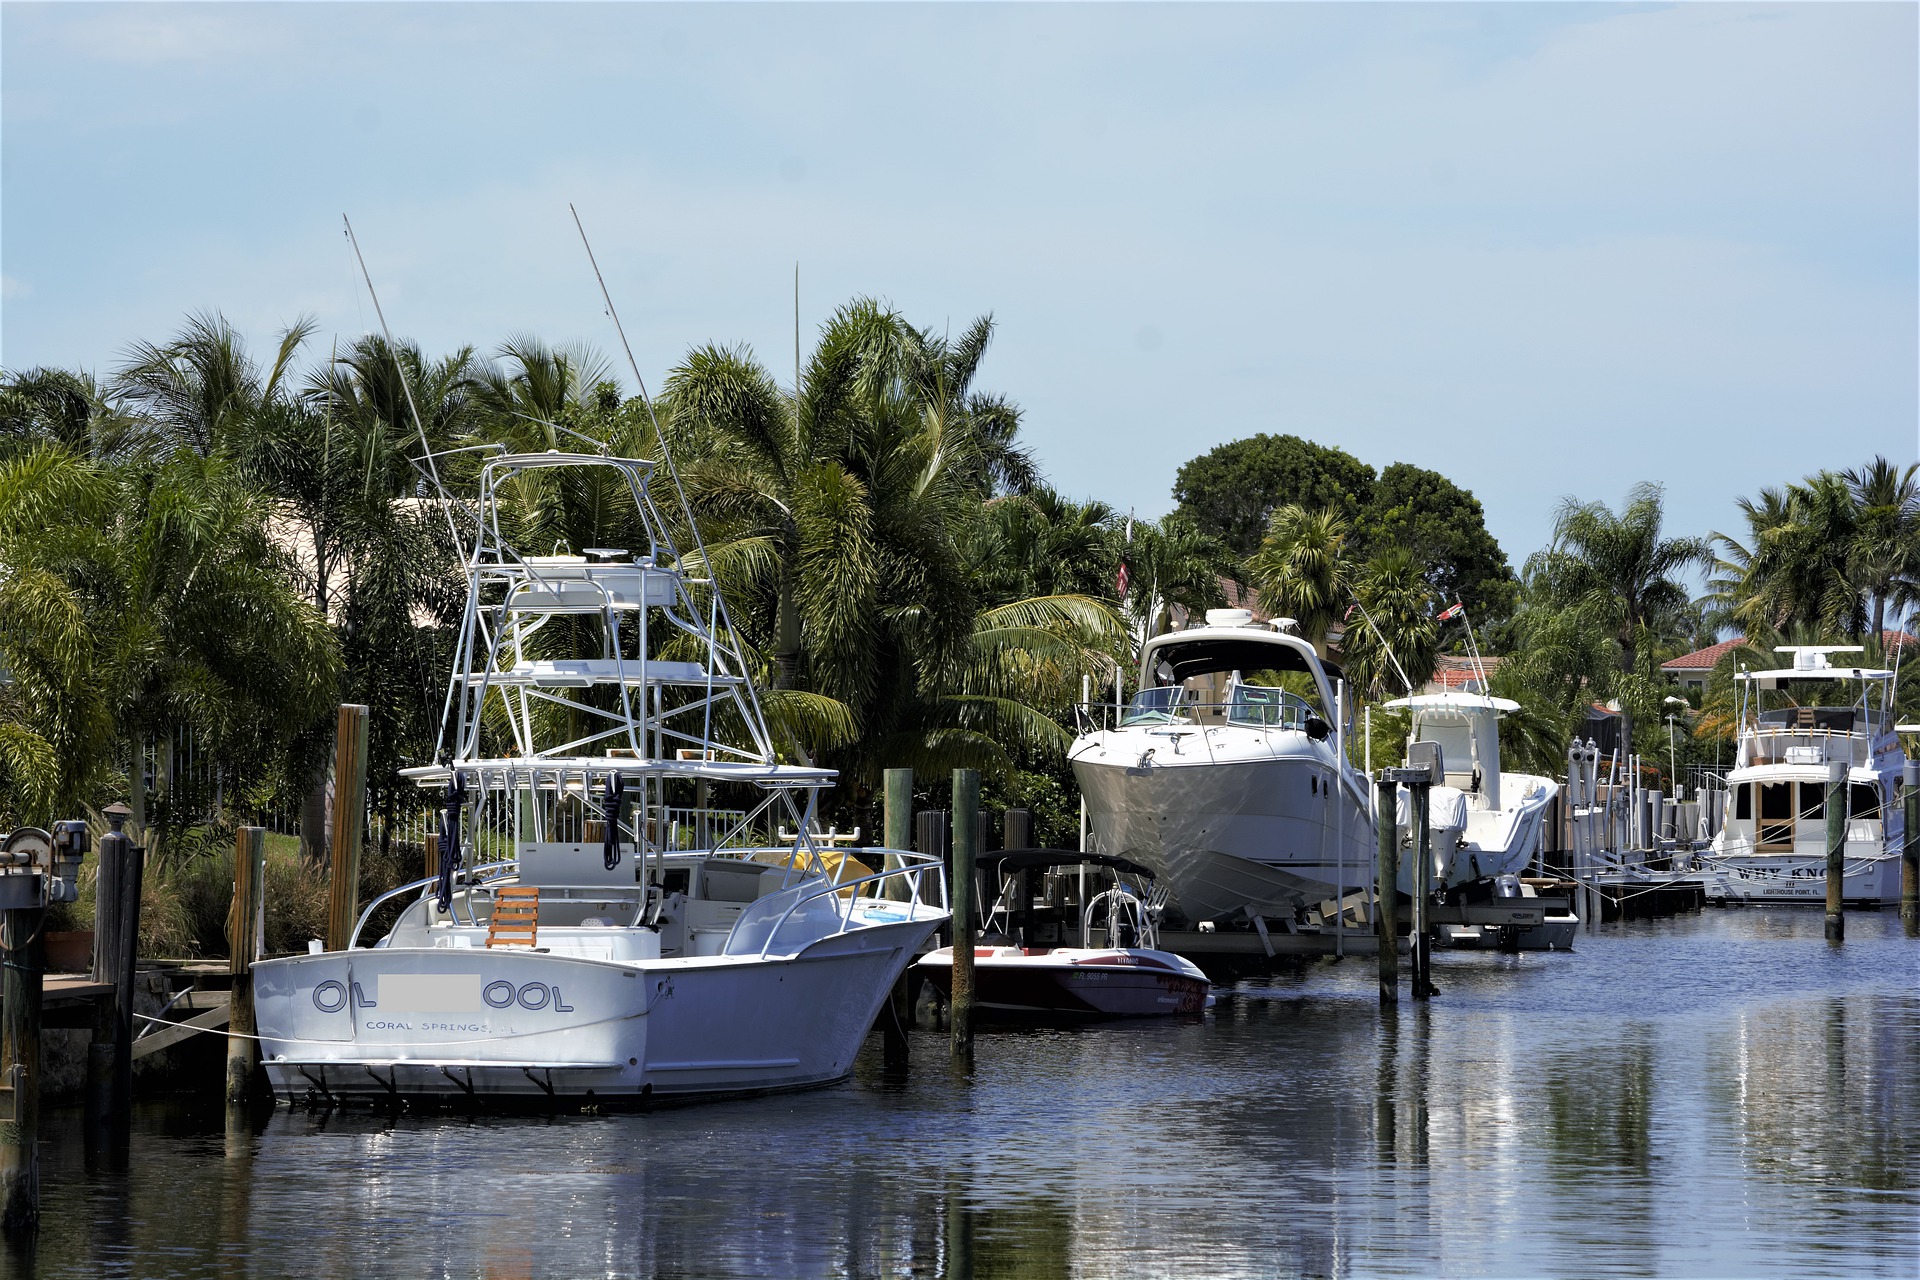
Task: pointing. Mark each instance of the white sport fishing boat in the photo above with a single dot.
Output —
(1795, 722)
(1235, 795)
(1484, 822)
(599, 932)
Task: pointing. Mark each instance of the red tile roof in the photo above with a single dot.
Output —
(1702, 659)
(1705, 659)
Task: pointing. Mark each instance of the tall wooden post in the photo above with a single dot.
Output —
(23, 948)
(116, 934)
(1420, 942)
(243, 937)
(1386, 911)
(1910, 852)
(897, 834)
(1836, 850)
(349, 822)
(966, 848)
(897, 824)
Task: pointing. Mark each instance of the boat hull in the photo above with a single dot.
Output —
(1786, 880)
(1230, 837)
(498, 1025)
(1108, 985)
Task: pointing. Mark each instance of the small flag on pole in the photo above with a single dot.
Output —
(1454, 612)
(1120, 582)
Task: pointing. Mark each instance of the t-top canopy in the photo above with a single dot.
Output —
(1452, 701)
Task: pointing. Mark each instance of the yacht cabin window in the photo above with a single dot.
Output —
(1864, 800)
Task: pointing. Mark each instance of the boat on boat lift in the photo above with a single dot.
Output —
(1234, 794)
(1484, 822)
(600, 930)
(1117, 971)
(1796, 722)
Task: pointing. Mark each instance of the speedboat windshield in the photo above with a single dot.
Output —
(1267, 707)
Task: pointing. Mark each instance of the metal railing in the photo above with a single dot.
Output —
(1290, 713)
(846, 898)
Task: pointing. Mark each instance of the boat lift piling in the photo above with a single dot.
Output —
(349, 822)
(23, 949)
(1836, 850)
(966, 851)
(243, 934)
(897, 828)
(116, 933)
(1386, 910)
(1910, 852)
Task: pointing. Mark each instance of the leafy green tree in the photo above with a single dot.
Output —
(59, 406)
(1232, 492)
(1799, 566)
(1443, 526)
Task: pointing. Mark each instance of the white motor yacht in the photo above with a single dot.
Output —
(1795, 722)
(1234, 794)
(600, 930)
(1484, 822)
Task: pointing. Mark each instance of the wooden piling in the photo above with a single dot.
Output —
(349, 822)
(1016, 829)
(1910, 852)
(1387, 892)
(1836, 850)
(430, 861)
(966, 848)
(243, 937)
(1420, 941)
(897, 832)
(23, 948)
(116, 934)
(897, 828)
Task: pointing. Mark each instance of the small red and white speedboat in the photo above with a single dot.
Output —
(1131, 978)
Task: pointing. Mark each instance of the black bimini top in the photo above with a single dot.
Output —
(1205, 655)
(1029, 859)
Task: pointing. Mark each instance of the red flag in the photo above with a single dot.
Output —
(1453, 612)
(1121, 581)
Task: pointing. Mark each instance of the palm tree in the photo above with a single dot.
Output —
(1617, 567)
(1172, 563)
(1394, 617)
(1302, 569)
(1886, 553)
(839, 519)
(1800, 565)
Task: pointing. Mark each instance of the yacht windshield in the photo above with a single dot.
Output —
(1153, 706)
(1272, 708)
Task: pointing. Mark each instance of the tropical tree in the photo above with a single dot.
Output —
(1391, 628)
(1232, 492)
(838, 515)
(1618, 569)
(1303, 569)
(1886, 554)
(1172, 564)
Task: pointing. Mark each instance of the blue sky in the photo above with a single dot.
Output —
(1542, 249)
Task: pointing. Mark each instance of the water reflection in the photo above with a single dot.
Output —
(1648, 1105)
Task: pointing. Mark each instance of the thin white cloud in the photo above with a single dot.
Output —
(11, 288)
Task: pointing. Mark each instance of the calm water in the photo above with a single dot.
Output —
(1717, 1095)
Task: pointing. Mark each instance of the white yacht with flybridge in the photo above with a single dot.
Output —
(617, 917)
(1795, 723)
(1225, 775)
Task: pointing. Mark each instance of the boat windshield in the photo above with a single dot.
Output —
(1154, 706)
(1267, 707)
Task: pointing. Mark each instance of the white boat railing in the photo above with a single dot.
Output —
(847, 898)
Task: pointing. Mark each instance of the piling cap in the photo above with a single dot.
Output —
(1913, 773)
(117, 815)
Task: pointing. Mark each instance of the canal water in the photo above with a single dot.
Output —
(1714, 1095)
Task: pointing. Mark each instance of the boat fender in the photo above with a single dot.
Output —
(450, 842)
(611, 848)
